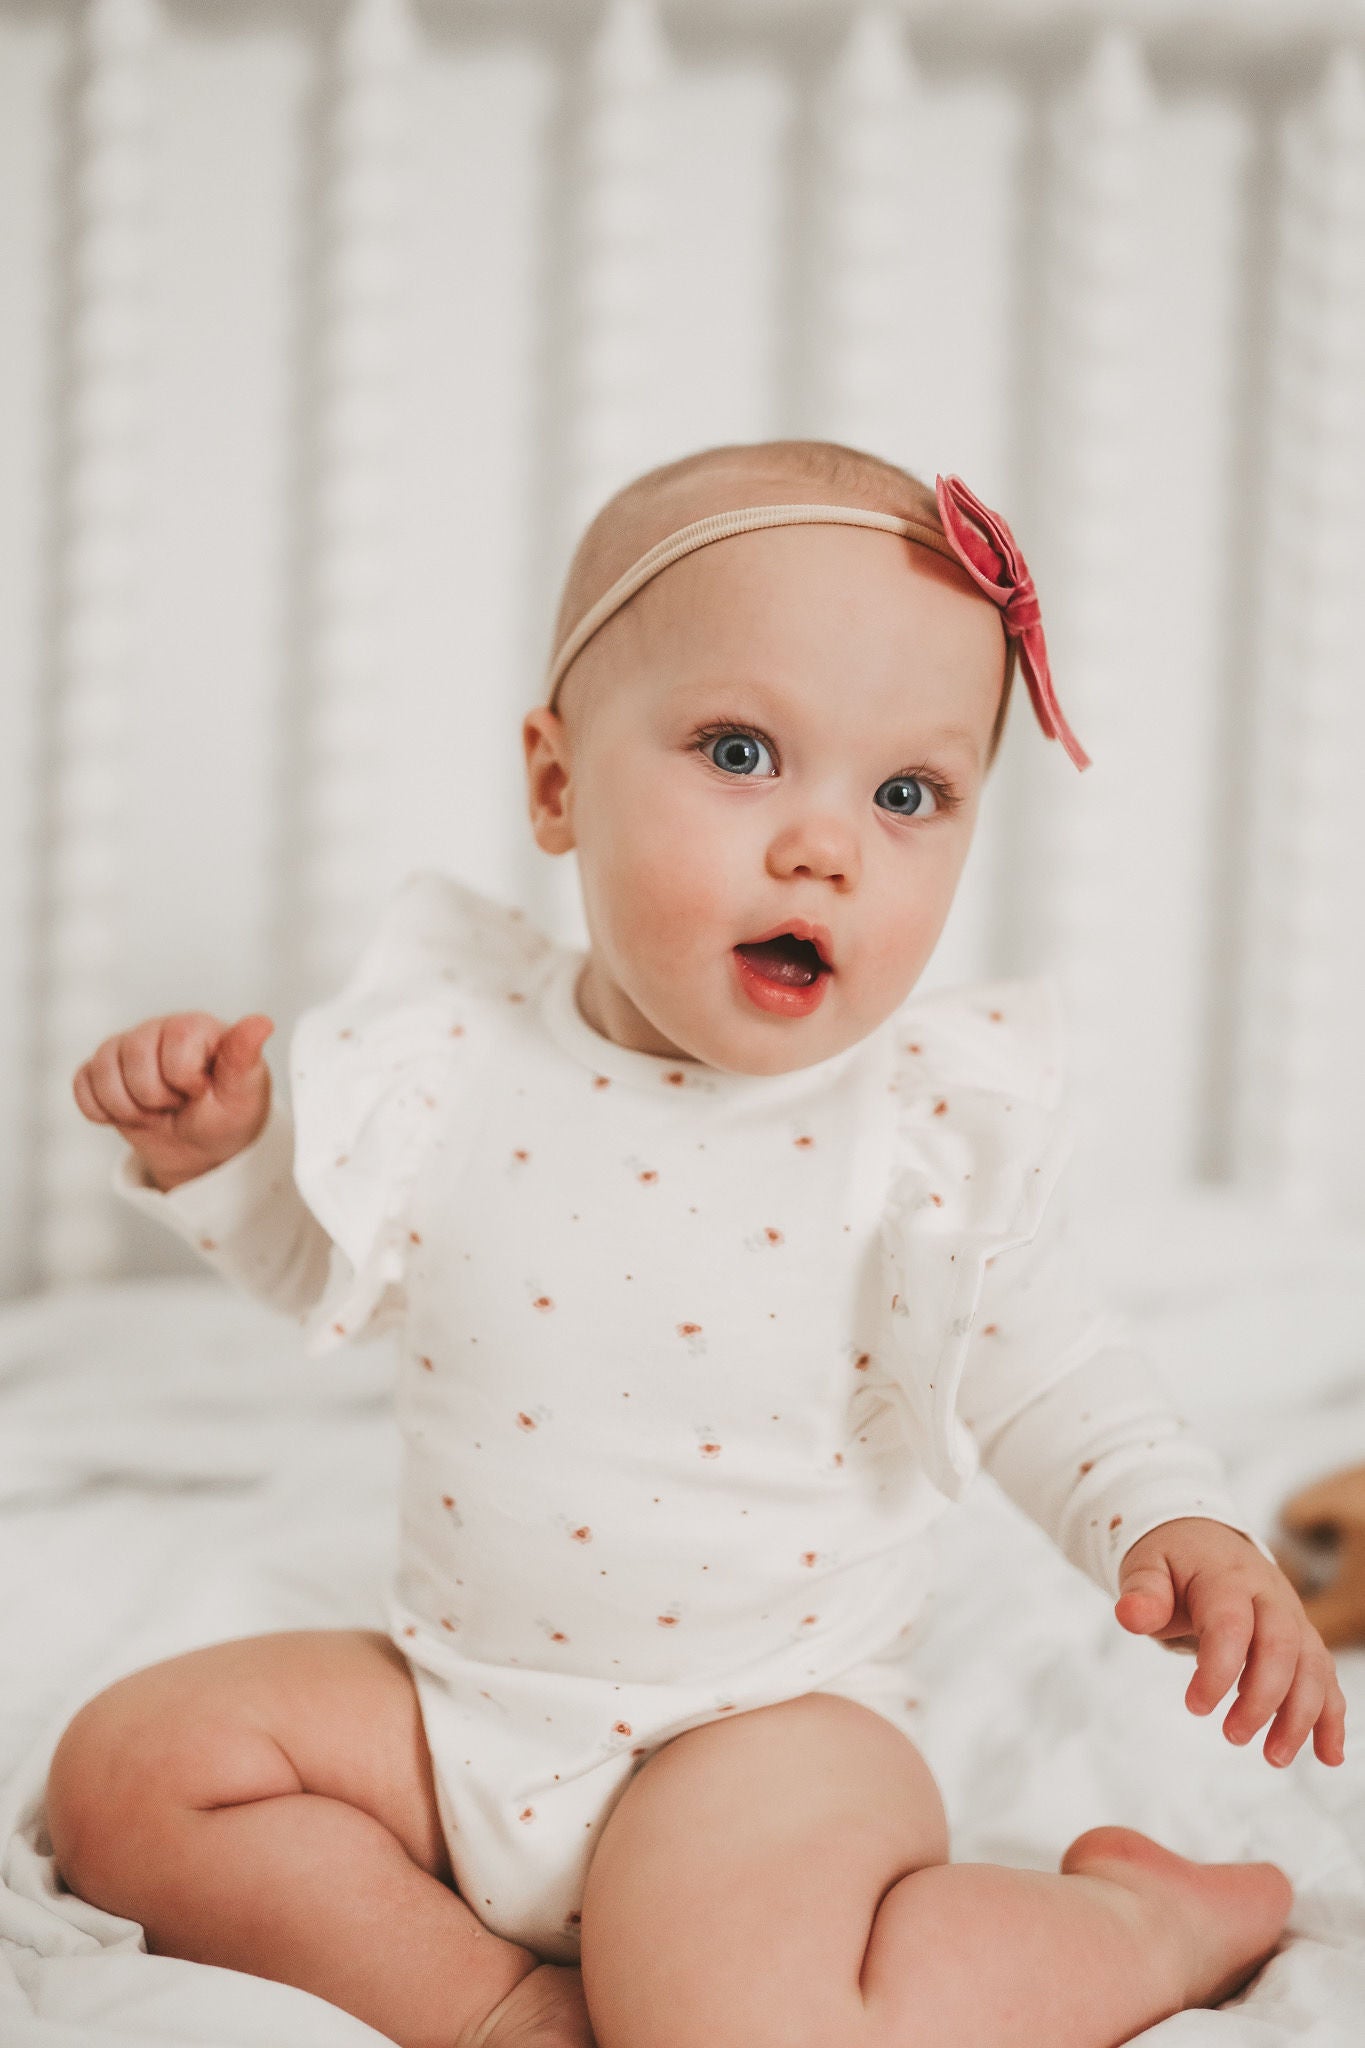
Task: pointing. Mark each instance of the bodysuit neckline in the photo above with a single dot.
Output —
(557, 1005)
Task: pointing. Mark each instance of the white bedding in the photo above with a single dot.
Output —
(173, 1472)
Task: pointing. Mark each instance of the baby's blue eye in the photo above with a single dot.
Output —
(735, 748)
(909, 795)
(734, 751)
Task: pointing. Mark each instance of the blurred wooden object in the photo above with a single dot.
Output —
(1324, 1554)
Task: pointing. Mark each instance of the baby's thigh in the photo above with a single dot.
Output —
(733, 1890)
(329, 1711)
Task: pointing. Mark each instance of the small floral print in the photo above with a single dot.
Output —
(940, 1109)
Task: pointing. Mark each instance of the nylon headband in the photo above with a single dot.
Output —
(719, 526)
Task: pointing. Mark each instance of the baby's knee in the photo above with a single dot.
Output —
(139, 1751)
(89, 1773)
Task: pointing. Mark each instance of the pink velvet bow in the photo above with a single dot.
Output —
(988, 552)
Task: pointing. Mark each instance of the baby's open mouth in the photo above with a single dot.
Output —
(786, 959)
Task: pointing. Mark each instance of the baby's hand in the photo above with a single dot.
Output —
(187, 1092)
(1202, 1586)
(1197, 1584)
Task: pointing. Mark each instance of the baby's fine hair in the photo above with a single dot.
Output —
(733, 475)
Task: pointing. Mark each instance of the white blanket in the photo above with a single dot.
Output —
(174, 1473)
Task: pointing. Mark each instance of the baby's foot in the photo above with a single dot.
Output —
(545, 2010)
(1218, 1921)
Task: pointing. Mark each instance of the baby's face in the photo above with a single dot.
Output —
(854, 680)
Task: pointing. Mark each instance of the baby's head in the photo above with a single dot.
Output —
(792, 723)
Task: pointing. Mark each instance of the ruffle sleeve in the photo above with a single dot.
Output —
(374, 1069)
(976, 1149)
(1000, 1348)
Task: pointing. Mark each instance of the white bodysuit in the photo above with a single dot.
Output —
(690, 1361)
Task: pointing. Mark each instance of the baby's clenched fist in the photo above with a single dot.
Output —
(187, 1092)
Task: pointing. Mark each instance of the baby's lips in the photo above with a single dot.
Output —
(816, 937)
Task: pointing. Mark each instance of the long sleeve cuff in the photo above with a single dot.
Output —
(1100, 1459)
(245, 1218)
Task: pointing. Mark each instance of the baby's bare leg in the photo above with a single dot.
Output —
(267, 1805)
(781, 1877)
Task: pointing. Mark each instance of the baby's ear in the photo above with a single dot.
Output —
(547, 780)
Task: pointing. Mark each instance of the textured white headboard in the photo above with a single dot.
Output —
(325, 327)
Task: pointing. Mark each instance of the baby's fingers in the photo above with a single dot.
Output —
(186, 1043)
(123, 1083)
(85, 1098)
(1329, 1734)
(1302, 1705)
(1225, 1626)
(1270, 1670)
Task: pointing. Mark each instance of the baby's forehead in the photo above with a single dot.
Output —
(765, 594)
(804, 584)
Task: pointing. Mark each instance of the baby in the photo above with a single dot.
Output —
(720, 1262)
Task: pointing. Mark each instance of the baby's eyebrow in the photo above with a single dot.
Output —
(735, 688)
(956, 735)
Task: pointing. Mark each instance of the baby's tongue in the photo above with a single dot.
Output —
(781, 960)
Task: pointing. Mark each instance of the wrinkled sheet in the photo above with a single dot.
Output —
(174, 1473)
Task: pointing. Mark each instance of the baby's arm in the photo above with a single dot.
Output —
(210, 1151)
(1099, 1456)
(1079, 1430)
